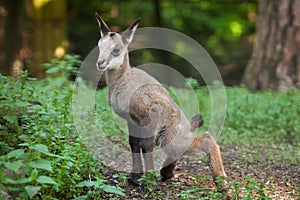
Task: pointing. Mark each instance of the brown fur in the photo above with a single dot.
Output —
(152, 115)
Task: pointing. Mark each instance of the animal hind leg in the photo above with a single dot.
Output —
(167, 171)
(207, 143)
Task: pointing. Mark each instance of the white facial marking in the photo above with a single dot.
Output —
(107, 45)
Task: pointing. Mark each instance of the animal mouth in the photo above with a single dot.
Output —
(101, 68)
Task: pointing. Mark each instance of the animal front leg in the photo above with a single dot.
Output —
(137, 168)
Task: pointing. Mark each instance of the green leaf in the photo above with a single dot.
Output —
(84, 197)
(41, 164)
(43, 149)
(53, 70)
(34, 174)
(18, 181)
(26, 144)
(11, 118)
(88, 184)
(46, 180)
(13, 165)
(16, 153)
(40, 148)
(13, 189)
(112, 189)
(46, 65)
(21, 104)
(32, 190)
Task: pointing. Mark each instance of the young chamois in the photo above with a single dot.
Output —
(152, 115)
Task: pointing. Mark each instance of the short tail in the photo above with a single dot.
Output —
(196, 122)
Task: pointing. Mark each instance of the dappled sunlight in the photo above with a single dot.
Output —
(38, 4)
(236, 29)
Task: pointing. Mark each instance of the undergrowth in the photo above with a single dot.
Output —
(41, 154)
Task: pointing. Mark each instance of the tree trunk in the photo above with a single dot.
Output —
(11, 41)
(50, 34)
(275, 61)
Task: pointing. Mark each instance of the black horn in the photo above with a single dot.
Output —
(104, 29)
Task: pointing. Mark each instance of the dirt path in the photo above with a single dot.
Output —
(284, 180)
(279, 181)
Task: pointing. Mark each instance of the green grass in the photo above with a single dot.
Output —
(44, 157)
(265, 117)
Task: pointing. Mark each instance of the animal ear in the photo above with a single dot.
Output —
(127, 35)
(104, 29)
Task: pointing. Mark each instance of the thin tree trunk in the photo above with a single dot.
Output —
(11, 41)
(275, 61)
(50, 34)
(162, 55)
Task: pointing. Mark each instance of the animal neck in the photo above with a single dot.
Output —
(112, 76)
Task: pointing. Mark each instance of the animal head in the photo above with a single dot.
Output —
(113, 46)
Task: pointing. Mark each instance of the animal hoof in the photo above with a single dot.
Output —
(166, 174)
(133, 179)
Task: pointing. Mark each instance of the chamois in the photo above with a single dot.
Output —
(152, 116)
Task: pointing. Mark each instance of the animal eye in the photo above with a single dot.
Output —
(115, 52)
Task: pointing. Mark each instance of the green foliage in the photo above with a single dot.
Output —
(25, 172)
(220, 31)
(224, 28)
(60, 69)
(262, 117)
(150, 178)
(123, 177)
(98, 185)
(245, 189)
(248, 189)
(45, 157)
(193, 83)
(149, 181)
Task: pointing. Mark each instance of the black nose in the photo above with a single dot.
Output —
(100, 62)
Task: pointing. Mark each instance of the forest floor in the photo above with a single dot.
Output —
(252, 170)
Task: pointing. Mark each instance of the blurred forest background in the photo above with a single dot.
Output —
(34, 31)
(253, 42)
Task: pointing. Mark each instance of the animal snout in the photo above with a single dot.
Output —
(100, 65)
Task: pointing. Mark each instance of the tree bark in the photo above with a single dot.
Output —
(275, 61)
